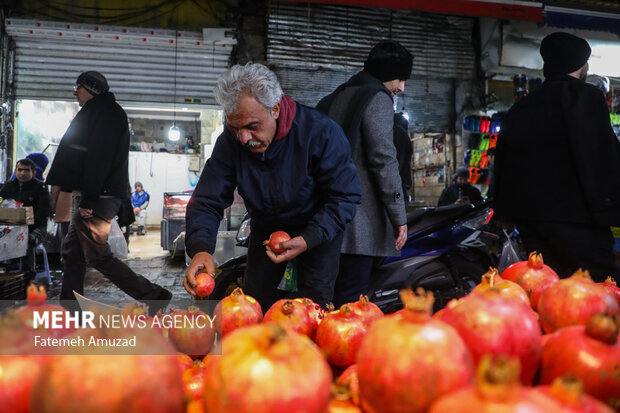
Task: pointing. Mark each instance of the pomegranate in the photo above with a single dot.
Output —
(267, 369)
(194, 406)
(340, 336)
(236, 310)
(341, 401)
(349, 379)
(573, 301)
(204, 284)
(532, 275)
(185, 362)
(193, 381)
(611, 286)
(409, 360)
(275, 239)
(35, 298)
(315, 313)
(508, 288)
(569, 392)
(497, 390)
(17, 376)
(192, 331)
(367, 310)
(291, 314)
(495, 325)
(590, 353)
(36, 295)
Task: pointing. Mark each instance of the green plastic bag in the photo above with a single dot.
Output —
(289, 279)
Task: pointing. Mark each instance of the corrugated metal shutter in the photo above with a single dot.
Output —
(141, 65)
(315, 47)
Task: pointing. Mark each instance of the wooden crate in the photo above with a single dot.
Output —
(17, 216)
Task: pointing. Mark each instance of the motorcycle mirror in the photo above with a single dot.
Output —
(243, 233)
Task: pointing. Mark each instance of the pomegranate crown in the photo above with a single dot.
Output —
(419, 301)
(535, 260)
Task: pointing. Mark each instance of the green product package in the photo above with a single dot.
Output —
(289, 279)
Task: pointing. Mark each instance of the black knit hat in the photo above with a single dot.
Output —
(94, 82)
(563, 53)
(389, 60)
(462, 172)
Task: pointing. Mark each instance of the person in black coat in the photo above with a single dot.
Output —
(92, 161)
(557, 166)
(461, 191)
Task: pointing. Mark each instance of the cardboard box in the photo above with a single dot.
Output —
(19, 216)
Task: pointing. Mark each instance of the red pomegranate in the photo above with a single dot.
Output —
(204, 284)
(612, 287)
(492, 324)
(315, 313)
(350, 380)
(191, 331)
(194, 406)
(17, 376)
(573, 301)
(267, 369)
(275, 239)
(340, 336)
(36, 303)
(185, 362)
(532, 275)
(236, 310)
(367, 310)
(569, 392)
(291, 314)
(193, 381)
(590, 353)
(109, 384)
(497, 389)
(508, 289)
(342, 401)
(117, 380)
(407, 361)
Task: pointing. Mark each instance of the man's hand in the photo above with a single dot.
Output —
(202, 262)
(400, 234)
(136, 210)
(292, 248)
(86, 213)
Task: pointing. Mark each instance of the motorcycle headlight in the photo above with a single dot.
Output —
(243, 233)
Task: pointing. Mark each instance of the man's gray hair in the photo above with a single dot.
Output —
(252, 79)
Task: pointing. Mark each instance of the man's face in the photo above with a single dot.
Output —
(138, 188)
(395, 86)
(23, 173)
(81, 94)
(253, 124)
(461, 180)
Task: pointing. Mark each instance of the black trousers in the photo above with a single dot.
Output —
(566, 247)
(353, 278)
(317, 270)
(86, 243)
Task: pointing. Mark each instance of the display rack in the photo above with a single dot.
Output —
(480, 133)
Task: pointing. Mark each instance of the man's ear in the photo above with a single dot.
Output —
(275, 111)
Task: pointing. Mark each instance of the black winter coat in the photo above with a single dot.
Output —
(558, 159)
(93, 154)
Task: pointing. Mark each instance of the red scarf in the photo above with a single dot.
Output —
(288, 108)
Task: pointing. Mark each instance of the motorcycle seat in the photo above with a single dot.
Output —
(425, 217)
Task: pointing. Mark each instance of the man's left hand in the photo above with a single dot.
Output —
(292, 248)
(86, 213)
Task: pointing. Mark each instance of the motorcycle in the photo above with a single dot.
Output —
(445, 253)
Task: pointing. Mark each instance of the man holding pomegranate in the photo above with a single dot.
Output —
(292, 166)
(364, 107)
(557, 166)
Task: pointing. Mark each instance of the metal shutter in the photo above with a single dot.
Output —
(138, 63)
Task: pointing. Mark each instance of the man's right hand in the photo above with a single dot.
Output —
(202, 262)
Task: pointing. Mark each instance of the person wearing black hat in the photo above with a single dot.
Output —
(557, 165)
(92, 163)
(461, 191)
(363, 107)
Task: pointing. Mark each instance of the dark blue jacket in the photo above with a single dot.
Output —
(306, 179)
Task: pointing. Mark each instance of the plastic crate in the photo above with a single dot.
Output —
(13, 286)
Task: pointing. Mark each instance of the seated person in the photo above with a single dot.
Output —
(140, 200)
(28, 190)
(461, 191)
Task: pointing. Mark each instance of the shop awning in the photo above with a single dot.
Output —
(499, 9)
(566, 18)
